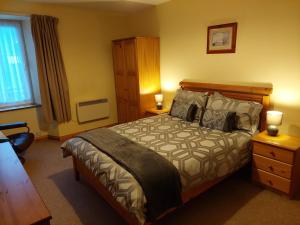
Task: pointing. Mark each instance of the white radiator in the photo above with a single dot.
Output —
(92, 110)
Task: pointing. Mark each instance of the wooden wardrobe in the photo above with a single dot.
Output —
(137, 75)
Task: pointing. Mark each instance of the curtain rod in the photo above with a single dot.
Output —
(5, 13)
(14, 13)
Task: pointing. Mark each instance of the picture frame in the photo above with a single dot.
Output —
(221, 38)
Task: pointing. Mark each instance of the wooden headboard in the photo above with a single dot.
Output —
(259, 94)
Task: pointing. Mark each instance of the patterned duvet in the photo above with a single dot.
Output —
(200, 154)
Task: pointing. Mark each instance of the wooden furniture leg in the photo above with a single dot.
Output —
(76, 172)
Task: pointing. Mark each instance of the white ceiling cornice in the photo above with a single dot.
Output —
(148, 2)
(115, 6)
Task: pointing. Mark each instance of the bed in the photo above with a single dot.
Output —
(202, 156)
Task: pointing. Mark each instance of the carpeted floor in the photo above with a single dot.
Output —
(234, 201)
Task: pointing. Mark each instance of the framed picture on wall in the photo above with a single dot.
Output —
(221, 38)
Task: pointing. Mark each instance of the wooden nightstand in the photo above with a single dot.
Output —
(154, 111)
(276, 162)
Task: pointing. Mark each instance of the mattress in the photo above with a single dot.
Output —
(200, 154)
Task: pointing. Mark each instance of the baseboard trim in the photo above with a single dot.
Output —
(63, 138)
(68, 136)
(40, 138)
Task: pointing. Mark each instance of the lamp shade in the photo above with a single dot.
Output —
(274, 118)
(159, 98)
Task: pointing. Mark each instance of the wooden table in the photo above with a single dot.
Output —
(20, 203)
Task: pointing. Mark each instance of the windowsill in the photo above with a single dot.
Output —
(13, 108)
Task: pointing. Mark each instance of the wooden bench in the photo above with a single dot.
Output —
(20, 203)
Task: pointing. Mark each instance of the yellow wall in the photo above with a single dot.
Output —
(268, 50)
(85, 37)
(268, 46)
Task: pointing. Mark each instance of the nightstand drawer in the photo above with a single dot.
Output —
(272, 166)
(271, 180)
(273, 152)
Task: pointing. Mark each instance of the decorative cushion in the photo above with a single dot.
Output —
(192, 97)
(184, 111)
(219, 120)
(247, 112)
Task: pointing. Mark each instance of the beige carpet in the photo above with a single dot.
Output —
(234, 201)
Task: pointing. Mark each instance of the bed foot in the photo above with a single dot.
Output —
(76, 175)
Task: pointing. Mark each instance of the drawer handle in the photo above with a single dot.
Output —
(271, 168)
(270, 182)
(272, 154)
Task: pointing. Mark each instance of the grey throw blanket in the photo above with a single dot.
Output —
(158, 177)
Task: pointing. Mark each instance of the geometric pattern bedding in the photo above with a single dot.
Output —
(200, 154)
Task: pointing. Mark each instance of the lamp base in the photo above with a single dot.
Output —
(159, 107)
(272, 130)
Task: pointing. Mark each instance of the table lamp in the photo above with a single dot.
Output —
(274, 119)
(159, 100)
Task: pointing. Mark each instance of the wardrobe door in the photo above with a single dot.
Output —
(149, 71)
(131, 71)
(120, 81)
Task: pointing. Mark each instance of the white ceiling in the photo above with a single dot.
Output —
(121, 6)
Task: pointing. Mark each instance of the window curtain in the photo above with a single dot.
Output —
(15, 86)
(52, 76)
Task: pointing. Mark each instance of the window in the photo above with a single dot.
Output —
(15, 83)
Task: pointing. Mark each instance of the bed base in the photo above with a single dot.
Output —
(259, 94)
(80, 170)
